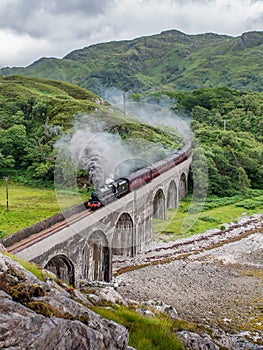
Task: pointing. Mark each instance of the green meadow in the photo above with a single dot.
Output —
(193, 218)
(28, 205)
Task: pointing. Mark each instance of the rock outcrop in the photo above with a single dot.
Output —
(37, 314)
(160, 306)
(194, 341)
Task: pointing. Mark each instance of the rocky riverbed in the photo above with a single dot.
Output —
(220, 288)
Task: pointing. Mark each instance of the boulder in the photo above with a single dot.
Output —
(160, 306)
(194, 341)
(145, 312)
(109, 295)
(38, 314)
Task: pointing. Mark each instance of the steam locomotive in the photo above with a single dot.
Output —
(133, 181)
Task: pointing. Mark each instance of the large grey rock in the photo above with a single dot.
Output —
(160, 306)
(107, 295)
(236, 341)
(44, 315)
(194, 341)
(21, 328)
(219, 340)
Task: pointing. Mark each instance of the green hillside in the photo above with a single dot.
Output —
(35, 113)
(170, 60)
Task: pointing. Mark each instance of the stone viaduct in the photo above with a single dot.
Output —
(84, 249)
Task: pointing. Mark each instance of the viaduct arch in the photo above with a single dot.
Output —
(183, 186)
(123, 241)
(172, 200)
(159, 207)
(62, 267)
(96, 258)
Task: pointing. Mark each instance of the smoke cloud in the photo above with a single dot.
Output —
(98, 152)
(105, 155)
(160, 116)
(152, 112)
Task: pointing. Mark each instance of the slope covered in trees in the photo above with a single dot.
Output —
(228, 126)
(33, 112)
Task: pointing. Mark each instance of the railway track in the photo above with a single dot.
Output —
(181, 249)
(46, 233)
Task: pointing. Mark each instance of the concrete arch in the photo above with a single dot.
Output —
(123, 241)
(172, 200)
(96, 265)
(159, 209)
(62, 267)
(183, 186)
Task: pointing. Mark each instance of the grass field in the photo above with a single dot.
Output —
(28, 205)
(186, 221)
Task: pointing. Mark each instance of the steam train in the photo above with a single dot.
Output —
(133, 181)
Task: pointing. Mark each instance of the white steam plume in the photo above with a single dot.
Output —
(96, 152)
(105, 155)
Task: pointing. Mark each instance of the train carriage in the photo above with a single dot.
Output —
(135, 180)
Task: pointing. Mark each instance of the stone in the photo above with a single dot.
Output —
(3, 266)
(110, 295)
(2, 248)
(160, 306)
(194, 341)
(38, 315)
(145, 312)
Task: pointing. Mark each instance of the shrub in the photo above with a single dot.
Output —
(208, 219)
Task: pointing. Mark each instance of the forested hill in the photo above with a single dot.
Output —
(170, 60)
(35, 113)
(228, 125)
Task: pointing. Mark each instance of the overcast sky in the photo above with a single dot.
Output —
(30, 29)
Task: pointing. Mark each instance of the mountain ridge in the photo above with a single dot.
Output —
(168, 60)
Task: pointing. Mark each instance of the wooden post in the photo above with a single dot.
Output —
(6, 185)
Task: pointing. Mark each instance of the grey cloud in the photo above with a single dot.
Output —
(36, 28)
(256, 22)
(184, 2)
(23, 16)
(85, 6)
(181, 2)
(11, 11)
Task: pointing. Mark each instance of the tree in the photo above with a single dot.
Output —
(6, 163)
(13, 142)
